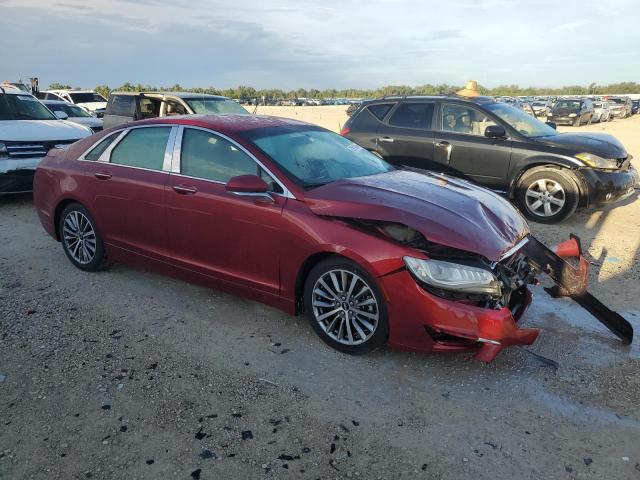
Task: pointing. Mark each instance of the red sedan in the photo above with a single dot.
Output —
(302, 219)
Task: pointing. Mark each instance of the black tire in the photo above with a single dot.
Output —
(570, 194)
(372, 340)
(88, 241)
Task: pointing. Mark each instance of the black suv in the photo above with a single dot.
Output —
(547, 173)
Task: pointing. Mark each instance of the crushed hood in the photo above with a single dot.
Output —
(446, 210)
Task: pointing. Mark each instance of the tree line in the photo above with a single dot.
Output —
(243, 92)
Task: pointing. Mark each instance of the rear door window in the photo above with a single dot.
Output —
(123, 105)
(142, 148)
(99, 149)
(380, 110)
(413, 115)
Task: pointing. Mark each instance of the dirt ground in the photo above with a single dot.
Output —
(126, 374)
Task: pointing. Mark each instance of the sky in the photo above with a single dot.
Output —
(290, 44)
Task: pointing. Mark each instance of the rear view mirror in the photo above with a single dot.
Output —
(60, 115)
(552, 125)
(495, 131)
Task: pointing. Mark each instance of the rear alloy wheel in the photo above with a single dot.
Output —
(80, 239)
(548, 195)
(345, 307)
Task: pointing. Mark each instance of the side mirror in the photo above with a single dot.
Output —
(495, 131)
(248, 185)
(60, 115)
(552, 125)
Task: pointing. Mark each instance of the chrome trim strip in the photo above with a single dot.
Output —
(168, 152)
(106, 155)
(514, 249)
(177, 148)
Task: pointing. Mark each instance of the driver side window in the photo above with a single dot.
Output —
(465, 120)
(210, 157)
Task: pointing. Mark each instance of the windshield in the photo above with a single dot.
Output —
(521, 121)
(315, 157)
(86, 97)
(23, 107)
(617, 100)
(68, 108)
(214, 106)
(568, 104)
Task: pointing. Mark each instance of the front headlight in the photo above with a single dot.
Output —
(454, 276)
(573, 114)
(595, 161)
(4, 153)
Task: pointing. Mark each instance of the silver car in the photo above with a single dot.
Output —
(602, 112)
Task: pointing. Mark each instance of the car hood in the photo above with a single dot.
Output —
(43, 130)
(602, 144)
(93, 105)
(446, 210)
(87, 121)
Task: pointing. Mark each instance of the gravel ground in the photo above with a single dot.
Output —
(126, 374)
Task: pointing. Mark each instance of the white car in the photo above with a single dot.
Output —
(601, 112)
(73, 113)
(87, 99)
(28, 130)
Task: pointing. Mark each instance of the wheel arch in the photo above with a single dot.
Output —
(541, 165)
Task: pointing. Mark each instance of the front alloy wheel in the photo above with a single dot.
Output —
(548, 195)
(345, 307)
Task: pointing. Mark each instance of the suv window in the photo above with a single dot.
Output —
(142, 148)
(99, 149)
(413, 115)
(208, 156)
(463, 119)
(122, 105)
(380, 110)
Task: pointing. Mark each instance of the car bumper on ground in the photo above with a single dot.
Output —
(422, 322)
(16, 175)
(605, 186)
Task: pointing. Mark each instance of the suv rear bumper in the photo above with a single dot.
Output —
(609, 186)
(16, 175)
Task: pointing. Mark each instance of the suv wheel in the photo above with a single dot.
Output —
(345, 306)
(548, 195)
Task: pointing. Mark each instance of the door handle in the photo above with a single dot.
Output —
(102, 175)
(443, 144)
(184, 190)
(385, 139)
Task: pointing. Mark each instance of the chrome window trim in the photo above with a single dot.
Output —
(82, 158)
(106, 155)
(177, 151)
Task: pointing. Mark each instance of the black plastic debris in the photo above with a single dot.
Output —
(206, 454)
(106, 407)
(288, 457)
(246, 435)
(150, 461)
(200, 434)
(196, 474)
(588, 461)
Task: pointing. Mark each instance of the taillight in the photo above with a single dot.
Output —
(344, 131)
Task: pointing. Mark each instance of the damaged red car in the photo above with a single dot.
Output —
(300, 218)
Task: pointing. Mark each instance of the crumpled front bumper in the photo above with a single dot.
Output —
(423, 322)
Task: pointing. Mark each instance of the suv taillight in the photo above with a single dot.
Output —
(344, 131)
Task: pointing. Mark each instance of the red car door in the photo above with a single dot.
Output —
(212, 232)
(127, 191)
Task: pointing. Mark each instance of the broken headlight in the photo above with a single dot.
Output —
(595, 161)
(454, 276)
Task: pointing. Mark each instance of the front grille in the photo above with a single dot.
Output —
(33, 149)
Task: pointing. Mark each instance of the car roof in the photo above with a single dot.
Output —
(479, 99)
(228, 123)
(73, 90)
(173, 94)
(11, 90)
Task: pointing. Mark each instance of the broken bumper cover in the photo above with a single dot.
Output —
(423, 322)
